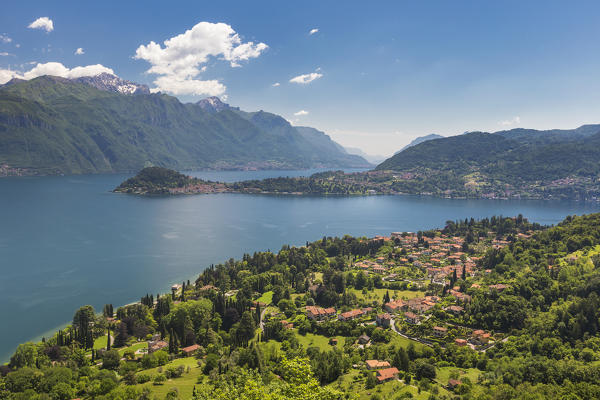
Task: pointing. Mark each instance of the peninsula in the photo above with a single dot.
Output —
(472, 310)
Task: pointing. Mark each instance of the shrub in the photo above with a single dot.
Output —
(159, 379)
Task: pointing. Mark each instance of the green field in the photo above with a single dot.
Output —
(100, 343)
(185, 384)
(266, 298)
(322, 342)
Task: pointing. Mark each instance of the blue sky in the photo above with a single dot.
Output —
(386, 72)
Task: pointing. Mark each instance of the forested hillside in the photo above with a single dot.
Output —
(55, 125)
(499, 308)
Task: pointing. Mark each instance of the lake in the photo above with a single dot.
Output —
(67, 241)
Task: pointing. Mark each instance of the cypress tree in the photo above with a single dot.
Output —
(108, 339)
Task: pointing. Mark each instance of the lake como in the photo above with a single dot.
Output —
(67, 241)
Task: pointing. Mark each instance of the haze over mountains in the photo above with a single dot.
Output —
(106, 124)
(514, 156)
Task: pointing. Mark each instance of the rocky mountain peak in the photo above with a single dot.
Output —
(112, 83)
(212, 104)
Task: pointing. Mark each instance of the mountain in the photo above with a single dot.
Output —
(112, 83)
(541, 164)
(54, 125)
(213, 105)
(323, 141)
(374, 159)
(419, 140)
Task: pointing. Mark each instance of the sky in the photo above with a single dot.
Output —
(372, 75)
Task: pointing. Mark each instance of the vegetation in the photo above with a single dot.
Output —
(501, 309)
(52, 125)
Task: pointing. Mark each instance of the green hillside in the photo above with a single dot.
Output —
(55, 125)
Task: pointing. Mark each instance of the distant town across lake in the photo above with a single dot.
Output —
(66, 241)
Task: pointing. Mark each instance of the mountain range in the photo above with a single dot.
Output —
(515, 163)
(52, 125)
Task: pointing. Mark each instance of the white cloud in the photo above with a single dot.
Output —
(43, 23)
(7, 74)
(306, 78)
(301, 113)
(4, 38)
(181, 60)
(509, 122)
(17, 45)
(313, 31)
(174, 85)
(55, 69)
(276, 84)
(5, 54)
(79, 51)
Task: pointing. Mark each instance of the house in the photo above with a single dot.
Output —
(286, 324)
(333, 341)
(480, 337)
(156, 346)
(453, 383)
(207, 288)
(379, 269)
(318, 313)
(395, 306)
(499, 287)
(376, 364)
(388, 374)
(350, 315)
(384, 320)
(460, 342)
(188, 351)
(411, 318)
(440, 331)
(456, 310)
(363, 339)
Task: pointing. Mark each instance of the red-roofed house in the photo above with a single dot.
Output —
(376, 364)
(387, 374)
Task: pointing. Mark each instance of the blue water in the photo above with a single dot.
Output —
(68, 241)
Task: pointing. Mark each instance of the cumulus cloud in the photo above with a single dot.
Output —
(4, 38)
(306, 78)
(79, 51)
(313, 31)
(301, 113)
(5, 54)
(55, 69)
(509, 122)
(43, 23)
(276, 84)
(183, 57)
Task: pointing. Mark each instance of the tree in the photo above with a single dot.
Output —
(111, 359)
(424, 370)
(386, 297)
(82, 322)
(108, 339)
(25, 356)
(371, 380)
(246, 328)
(401, 360)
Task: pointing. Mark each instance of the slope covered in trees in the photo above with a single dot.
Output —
(55, 125)
(524, 297)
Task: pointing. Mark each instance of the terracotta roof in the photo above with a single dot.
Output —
(190, 349)
(373, 364)
(388, 373)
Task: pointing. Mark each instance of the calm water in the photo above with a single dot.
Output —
(67, 241)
